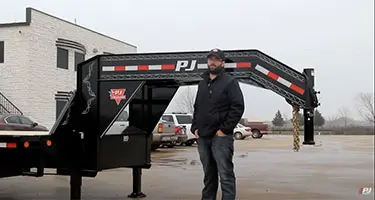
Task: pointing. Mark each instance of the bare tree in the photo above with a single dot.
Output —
(366, 106)
(186, 101)
(344, 114)
(332, 121)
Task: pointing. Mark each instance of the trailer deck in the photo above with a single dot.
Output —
(24, 133)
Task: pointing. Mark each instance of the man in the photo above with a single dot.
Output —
(218, 108)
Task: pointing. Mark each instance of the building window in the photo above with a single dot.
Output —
(2, 52)
(78, 58)
(62, 58)
(61, 98)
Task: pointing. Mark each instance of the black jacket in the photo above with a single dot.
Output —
(219, 105)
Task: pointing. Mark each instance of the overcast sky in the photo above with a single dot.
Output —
(336, 37)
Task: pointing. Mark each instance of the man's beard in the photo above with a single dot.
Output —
(215, 69)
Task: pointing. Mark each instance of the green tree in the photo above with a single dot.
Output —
(318, 119)
(278, 120)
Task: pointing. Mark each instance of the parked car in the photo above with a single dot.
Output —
(181, 135)
(120, 124)
(164, 133)
(258, 128)
(13, 122)
(241, 132)
(182, 120)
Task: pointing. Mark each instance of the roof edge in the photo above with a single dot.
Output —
(25, 23)
(28, 21)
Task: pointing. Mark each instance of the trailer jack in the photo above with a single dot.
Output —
(75, 184)
(137, 184)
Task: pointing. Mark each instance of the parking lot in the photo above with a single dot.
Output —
(335, 168)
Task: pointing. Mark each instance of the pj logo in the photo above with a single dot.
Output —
(117, 95)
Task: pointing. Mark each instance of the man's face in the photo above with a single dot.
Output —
(214, 62)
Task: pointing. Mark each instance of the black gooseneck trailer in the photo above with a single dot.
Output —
(78, 146)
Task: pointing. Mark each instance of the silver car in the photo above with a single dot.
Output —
(165, 133)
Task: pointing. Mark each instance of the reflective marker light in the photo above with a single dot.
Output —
(26, 144)
(49, 143)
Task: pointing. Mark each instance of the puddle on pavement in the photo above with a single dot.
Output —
(179, 162)
(190, 158)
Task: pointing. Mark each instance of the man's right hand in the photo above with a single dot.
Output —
(196, 133)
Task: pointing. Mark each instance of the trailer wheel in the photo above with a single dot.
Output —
(256, 134)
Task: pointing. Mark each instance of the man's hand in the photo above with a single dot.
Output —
(196, 133)
(220, 133)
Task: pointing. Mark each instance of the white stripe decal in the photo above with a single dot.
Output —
(262, 69)
(284, 82)
(154, 67)
(202, 66)
(279, 79)
(23, 133)
(131, 68)
(109, 69)
(3, 145)
(160, 67)
(230, 65)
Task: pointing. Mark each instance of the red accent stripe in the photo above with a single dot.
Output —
(142, 67)
(11, 145)
(119, 68)
(273, 75)
(243, 65)
(297, 89)
(167, 67)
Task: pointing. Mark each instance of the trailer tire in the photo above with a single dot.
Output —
(256, 134)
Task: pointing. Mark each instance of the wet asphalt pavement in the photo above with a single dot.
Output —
(335, 168)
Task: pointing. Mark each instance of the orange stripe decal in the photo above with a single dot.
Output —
(167, 67)
(11, 145)
(273, 75)
(297, 89)
(243, 65)
(119, 68)
(143, 67)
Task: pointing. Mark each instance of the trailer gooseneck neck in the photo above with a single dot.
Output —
(147, 82)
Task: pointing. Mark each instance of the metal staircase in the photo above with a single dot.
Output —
(7, 107)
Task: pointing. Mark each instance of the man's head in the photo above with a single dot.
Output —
(215, 61)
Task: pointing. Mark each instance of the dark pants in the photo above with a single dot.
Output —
(216, 155)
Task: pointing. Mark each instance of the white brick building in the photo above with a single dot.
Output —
(38, 58)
